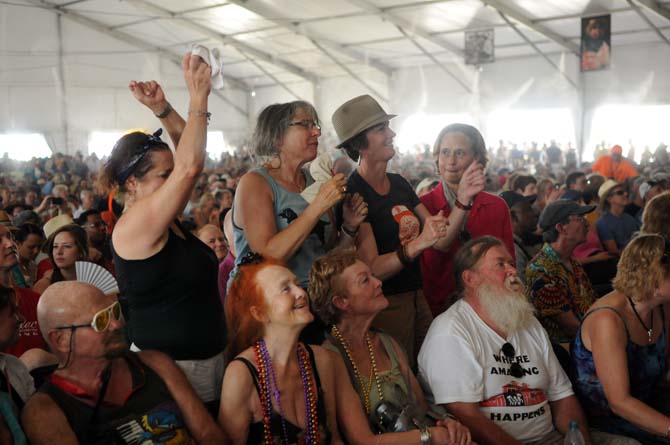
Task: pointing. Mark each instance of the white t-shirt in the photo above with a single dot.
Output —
(461, 360)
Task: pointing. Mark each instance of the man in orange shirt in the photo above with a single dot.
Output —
(614, 166)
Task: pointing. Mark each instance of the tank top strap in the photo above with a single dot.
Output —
(613, 310)
(312, 362)
(271, 181)
(390, 350)
(252, 371)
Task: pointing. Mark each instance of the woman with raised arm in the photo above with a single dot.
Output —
(398, 227)
(279, 390)
(167, 276)
(270, 216)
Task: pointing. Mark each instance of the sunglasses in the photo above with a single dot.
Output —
(101, 320)
(515, 368)
(619, 192)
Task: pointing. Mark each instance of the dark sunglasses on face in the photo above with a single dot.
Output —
(101, 320)
(515, 368)
(619, 192)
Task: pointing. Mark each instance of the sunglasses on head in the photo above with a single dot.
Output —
(101, 320)
(515, 368)
(251, 258)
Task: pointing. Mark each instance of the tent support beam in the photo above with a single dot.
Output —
(134, 41)
(648, 21)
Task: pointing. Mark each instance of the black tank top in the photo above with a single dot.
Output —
(295, 433)
(150, 415)
(171, 299)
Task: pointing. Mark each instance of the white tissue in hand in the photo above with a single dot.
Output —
(212, 57)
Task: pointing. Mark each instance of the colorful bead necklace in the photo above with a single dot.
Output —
(268, 383)
(373, 367)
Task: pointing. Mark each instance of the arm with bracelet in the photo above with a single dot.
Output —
(151, 95)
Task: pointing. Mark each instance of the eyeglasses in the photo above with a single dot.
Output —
(307, 124)
(101, 320)
(515, 368)
(98, 225)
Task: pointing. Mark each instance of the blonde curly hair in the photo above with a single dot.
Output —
(324, 285)
(656, 216)
(644, 265)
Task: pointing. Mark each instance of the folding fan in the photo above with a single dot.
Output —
(96, 276)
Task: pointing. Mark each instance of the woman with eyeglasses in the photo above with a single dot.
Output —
(277, 389)
(167, 276)
(65, 246)
(270, 216)
(460, 154)
(620, 354)
(348, 297)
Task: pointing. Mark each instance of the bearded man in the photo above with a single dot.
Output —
(489, 362)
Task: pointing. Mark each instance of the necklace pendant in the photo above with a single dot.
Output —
(649, 334)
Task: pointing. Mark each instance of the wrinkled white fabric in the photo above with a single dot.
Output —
(213, 58)
(321, 170)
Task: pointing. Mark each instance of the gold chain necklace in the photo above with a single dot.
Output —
(373, 367)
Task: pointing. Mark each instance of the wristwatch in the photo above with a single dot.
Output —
(425, 436)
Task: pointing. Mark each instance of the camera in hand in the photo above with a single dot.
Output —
(57, 201)
(391, 418)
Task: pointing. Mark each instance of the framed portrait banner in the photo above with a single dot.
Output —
(595, 45)
(479, 47)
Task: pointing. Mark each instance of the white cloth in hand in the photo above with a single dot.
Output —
(213, 58)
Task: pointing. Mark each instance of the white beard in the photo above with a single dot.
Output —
(506, 305)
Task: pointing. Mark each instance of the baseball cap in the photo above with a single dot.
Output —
(559, 211)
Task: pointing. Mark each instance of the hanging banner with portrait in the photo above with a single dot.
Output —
(596, 48)
(479, 47)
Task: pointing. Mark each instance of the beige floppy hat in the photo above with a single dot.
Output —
(356, 115)
(56, 223)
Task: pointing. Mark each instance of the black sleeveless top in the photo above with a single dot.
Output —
(171, 299)
(295, 433)
(149, 416)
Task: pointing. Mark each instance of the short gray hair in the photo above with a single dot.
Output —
(273, 122)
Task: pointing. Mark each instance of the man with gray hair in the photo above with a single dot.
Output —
(101, 392)
(490, 363)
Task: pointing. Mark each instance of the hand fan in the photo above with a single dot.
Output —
(96, 276)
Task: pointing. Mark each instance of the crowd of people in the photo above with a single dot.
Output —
(350, 295)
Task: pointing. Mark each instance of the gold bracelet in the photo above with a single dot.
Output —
(201, 113)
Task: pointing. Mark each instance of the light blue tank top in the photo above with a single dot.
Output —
(287, 206)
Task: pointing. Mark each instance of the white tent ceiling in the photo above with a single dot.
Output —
(285, 41)
(74, 57)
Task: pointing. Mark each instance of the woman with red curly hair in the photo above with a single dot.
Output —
(276, 389)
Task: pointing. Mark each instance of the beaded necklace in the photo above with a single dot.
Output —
(268, 384)
(373, 367)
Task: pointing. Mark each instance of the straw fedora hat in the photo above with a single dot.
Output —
(356, 115)
(606, 188)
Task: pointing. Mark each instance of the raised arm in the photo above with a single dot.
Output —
(472, 182)
(142, 230)
(254, 213)
(386, 265)
(151, 95)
